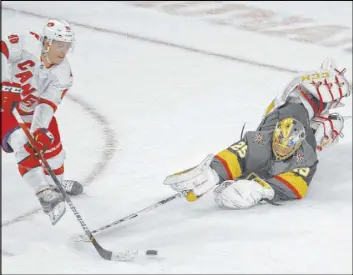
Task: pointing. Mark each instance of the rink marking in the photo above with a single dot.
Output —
(257, 19)
(110, 141)
(109, 148)
(166, 43)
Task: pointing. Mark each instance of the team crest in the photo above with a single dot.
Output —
(259, 139)
(299, 157)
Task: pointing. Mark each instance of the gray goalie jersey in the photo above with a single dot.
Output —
(252, 157)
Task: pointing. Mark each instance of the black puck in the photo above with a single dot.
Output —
(151, 252)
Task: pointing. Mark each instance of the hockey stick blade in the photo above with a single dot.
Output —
(113, 256)
(105, 254)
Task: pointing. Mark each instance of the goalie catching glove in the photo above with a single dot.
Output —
(235, 194)
(194, 182)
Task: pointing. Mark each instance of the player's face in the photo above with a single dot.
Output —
(58, 51)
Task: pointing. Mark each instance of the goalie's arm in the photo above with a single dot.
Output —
(293, 184)
(229, 163)
(245, 193)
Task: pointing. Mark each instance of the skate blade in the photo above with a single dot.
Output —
(56, 214)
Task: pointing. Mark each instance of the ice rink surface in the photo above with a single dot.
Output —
(158, 100)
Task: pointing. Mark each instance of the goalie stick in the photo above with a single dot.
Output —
(105, 254)
(129, 217)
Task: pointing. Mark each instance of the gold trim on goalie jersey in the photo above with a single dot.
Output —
(270, 107)
(230, 163)
(294, 182)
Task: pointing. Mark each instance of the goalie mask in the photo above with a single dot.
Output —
(287, 138)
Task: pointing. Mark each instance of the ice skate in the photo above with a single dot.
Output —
(72, 187)
(53, 203)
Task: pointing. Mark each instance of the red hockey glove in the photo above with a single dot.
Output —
(43, 138)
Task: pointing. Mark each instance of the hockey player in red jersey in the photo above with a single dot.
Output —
(35, 77)
(278, 160)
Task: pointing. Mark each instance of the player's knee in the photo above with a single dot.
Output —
(27, 164)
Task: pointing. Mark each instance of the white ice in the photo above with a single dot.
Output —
(166, 108)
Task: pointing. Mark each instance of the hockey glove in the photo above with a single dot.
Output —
(194, 182)
(242, 193)
(43, 138)
(10, 96)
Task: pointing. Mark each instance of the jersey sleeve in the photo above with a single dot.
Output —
(11, 51)
(12, 47)
(54, 94)
(229, 163)
(293, 184)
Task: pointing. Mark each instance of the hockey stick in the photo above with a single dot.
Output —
(105, 254)
(129, 217)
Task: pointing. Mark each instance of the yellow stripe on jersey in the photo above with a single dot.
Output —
(230, 163)
(270, 107)
(296, 183)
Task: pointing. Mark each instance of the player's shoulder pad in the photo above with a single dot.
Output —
(31, 43)
(258, 137)
(63, 74)
(14, 43)
(19, 42)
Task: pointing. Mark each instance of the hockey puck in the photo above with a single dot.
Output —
(151, 252)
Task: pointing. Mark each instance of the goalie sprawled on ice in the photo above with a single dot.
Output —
(277, 161)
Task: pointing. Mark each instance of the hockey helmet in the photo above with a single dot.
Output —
(58, 30)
